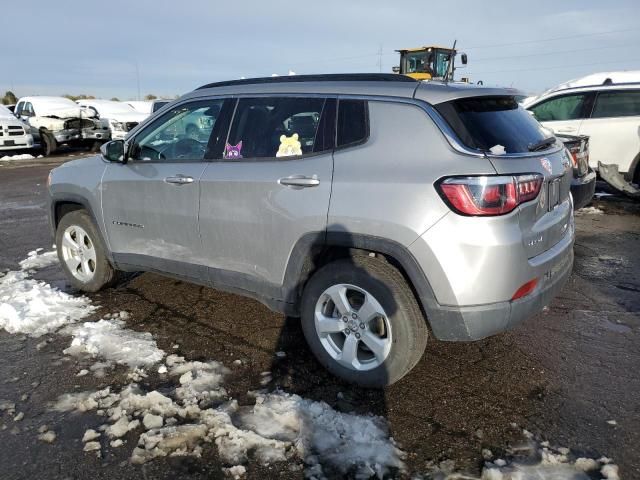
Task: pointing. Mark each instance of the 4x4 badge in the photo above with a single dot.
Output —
(546, 164)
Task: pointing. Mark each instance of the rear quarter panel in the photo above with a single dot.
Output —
(385, 187)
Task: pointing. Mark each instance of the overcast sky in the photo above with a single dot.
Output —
(94, 47)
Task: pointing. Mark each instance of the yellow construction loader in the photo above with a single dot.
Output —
(426, 63)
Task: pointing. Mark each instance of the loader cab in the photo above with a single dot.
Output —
(426, 63)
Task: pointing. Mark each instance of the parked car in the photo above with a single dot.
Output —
(121, 118)
(583, 184)
(389, 216)
(14, 134)
(141, 106)
(56, 121)
(607, 112)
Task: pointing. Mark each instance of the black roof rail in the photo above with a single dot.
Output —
(328, 77)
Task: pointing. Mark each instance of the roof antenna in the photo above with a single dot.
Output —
(452, 59)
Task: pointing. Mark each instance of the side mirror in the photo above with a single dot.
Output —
(395, 69)
(463, 58)
(113, 151)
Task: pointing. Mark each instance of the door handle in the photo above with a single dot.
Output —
(567, 129)
(179, 180)
(299, 181)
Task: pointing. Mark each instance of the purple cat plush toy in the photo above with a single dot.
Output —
(232, 152)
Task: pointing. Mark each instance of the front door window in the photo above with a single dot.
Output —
(180, 135)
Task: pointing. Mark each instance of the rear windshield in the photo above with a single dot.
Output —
(485, 123)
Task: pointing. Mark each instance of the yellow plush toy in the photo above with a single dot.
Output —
(289, 146)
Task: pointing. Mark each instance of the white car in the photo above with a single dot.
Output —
(121, 117)
(56, 121)
(142, 106)
(14, 134)
(608, 112)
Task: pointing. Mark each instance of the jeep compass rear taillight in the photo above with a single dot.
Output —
(489, 195)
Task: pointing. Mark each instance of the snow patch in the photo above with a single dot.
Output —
(554, 464)
(21, 156)
(279, 427)
(90, 435)
(35, 308)
(48, 437)
(111, 341)
(36, 260)
(588, 211)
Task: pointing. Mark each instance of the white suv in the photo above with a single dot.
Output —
(14, 134)
(609, 113)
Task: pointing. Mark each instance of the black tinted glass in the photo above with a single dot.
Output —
(158, 105)
(486, 122)
(352, 122)
(567, 107)
(617, 104)
(274, 127)
(180, 135)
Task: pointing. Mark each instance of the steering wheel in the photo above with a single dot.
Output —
(188, 147)
(148, 153)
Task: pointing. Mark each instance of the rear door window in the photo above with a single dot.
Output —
(567, 107)
(353, 122)
(274, 127)
(617, 104)
(485, 122)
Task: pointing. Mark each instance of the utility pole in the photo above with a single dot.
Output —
(380, 58)
(138, 78)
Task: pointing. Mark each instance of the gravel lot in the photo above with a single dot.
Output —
(568, 376)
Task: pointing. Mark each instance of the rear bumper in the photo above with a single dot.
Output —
(582, 190)
(480, 321)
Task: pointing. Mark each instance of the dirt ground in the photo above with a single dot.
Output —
(569, 375)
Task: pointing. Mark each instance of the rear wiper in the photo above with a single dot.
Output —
(542, 144)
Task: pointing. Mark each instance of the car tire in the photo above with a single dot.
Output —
(398, 335)
(48, 142)
(636, 171)
(82, 253)
(94, 147)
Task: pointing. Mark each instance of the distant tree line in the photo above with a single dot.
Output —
(9, 98)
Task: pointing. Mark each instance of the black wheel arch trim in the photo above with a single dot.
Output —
(57, 199)
(303, 253)
(396, 252)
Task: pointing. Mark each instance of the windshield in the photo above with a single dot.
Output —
(158, 105)
(53, 103)
(417, 62)
(112, 107)
(442, 63)
(486, 123)
(5, 112)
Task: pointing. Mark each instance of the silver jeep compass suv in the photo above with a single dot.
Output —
(372, 206)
